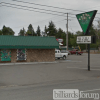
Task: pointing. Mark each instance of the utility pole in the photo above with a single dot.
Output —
(67, 33)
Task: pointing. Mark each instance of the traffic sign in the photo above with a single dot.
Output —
(84, 40)
(85, 20)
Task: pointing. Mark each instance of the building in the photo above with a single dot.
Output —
(27, 48)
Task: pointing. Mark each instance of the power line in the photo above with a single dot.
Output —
(40, 9)
(47, 6)
(37, 11)
(32, 7)
(50, 6)
(37, 8)
(32, 10)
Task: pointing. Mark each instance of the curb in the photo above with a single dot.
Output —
(39, 62)
(27, 63)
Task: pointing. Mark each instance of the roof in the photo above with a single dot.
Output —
(30, 42)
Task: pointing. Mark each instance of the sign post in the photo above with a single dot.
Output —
(85, 20)
(88, 57)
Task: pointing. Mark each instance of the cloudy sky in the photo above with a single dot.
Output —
(12, 16)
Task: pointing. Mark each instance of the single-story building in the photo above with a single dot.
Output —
(27, 48)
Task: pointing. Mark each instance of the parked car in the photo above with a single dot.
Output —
(59, 55)
(65, 51)
(75, 51)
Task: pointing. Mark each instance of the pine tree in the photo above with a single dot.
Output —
(30, 30)
(38, 32)
(45, 30)
(22, 32)
(52, 29)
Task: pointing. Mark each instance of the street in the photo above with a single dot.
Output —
(36, 81)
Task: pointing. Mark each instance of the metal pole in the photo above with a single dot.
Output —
(86, 47)
(67, 33)
(88, 57)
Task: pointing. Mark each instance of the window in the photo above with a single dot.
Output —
(21, 54)
(55, 51)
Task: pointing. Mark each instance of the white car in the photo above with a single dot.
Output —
(59, 55)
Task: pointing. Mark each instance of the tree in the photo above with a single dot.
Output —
(45, 30)
(22, 32)
(38, 32)
(92, 30)
(79, 33)
(70, 36)
(31, 30)
(7, 31)
(0, 32)
(63, 36)
(73, 41)
(59, 33)
(52, 29)
(97, 30)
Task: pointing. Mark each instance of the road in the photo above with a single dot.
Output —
(37, 81)
(44, 91)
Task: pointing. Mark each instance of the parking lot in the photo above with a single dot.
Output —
(71, 73)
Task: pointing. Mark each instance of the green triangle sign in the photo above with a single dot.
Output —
(85, 20)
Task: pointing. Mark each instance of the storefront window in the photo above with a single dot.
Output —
(21, 54)
(5, 55)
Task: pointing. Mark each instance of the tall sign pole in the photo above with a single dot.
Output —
(67, 33)
(85, 20)
(88, 57)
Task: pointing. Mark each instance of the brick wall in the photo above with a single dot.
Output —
(40, 55)
(35, 55)
(13, 55)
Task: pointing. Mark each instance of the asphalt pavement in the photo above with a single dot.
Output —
(36, 81)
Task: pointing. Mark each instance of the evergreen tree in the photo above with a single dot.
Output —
(70, 38)
(22, 32)
(45, 30)
(79, 33)
(0, 32)
(7, 31)
(92, 30)
(38, 32)
(52, 29)
(63, 36)
(30, 30)
(59, 33)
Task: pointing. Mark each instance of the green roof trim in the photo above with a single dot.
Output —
(28, 42)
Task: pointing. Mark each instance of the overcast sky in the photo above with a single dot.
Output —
(18, 18)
